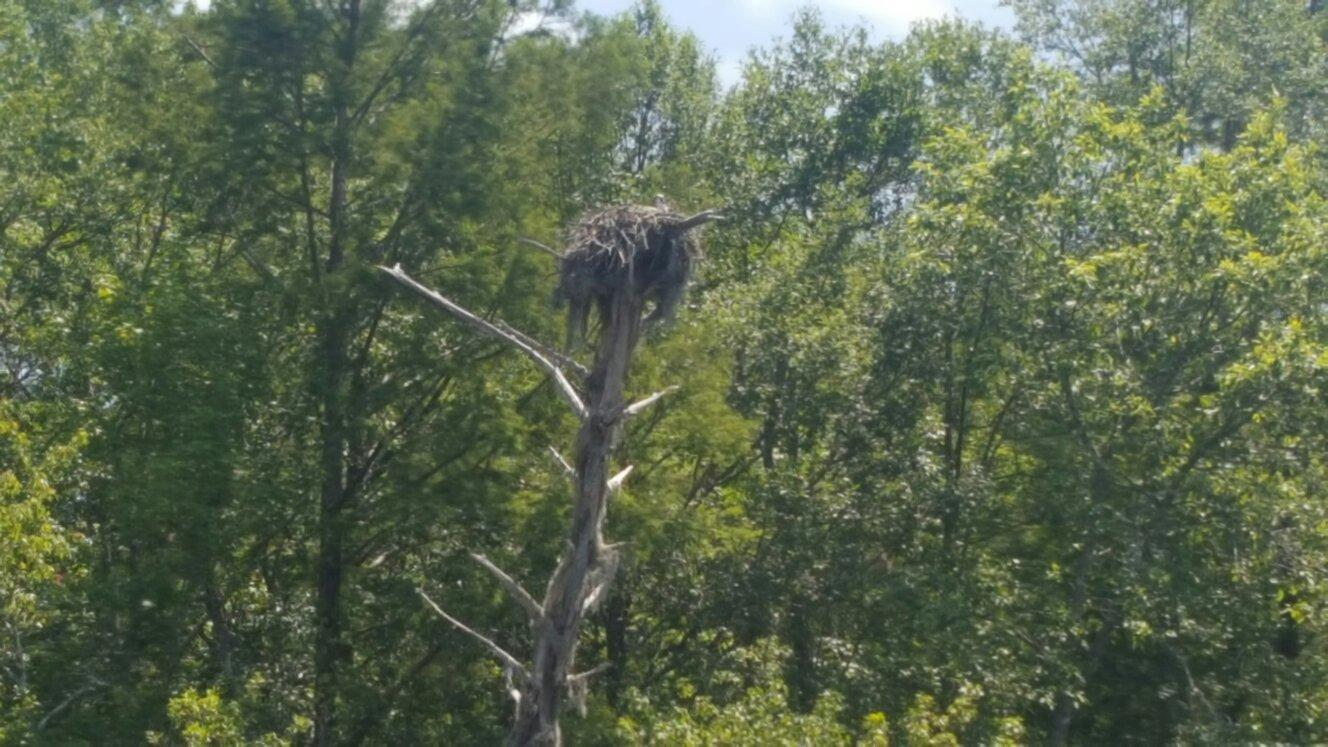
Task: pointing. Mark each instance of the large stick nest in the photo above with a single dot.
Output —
(649, 252)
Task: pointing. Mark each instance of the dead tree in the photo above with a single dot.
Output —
(617, 263)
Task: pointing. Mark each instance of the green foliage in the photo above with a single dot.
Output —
(926, 724)
(1219, 61)
(1000, 416)
(35, 559)
(756, 712)
(206, 718)
(203, 719)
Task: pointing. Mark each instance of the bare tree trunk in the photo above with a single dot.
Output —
(581, 580)
(589, 563)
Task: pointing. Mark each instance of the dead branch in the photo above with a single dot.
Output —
(520, 595)
(560, 381)
(201, 52)
(507, 659)
(593, 671)
(565, 361)
(599, 578)
(541, 247)
(578, 686)
(637, 407)
(616, 482)
(568, 468)
(93, 684)
(701, 218)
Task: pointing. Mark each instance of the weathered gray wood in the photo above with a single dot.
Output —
(518, 594)
(701, 218)
(498, 651)
(616, 482)
(560, 381)
(568, 469)
(587, 567)
(638, 407)
(563, 360)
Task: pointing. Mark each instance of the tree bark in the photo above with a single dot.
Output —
(616, 614)
(334, 328)
(588, 561)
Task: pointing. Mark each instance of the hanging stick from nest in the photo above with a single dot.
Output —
(618, 260)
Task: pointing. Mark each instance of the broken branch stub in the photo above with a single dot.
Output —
(637, 407)
(616, 482)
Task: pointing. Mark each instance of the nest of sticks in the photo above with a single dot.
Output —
(646, 251)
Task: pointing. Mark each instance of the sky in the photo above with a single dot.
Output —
(731, 27)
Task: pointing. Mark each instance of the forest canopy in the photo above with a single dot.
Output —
(1002, 386)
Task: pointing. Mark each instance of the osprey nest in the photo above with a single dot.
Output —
(645, 251)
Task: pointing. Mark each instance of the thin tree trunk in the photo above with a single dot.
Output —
(223, 635)
(331, 535)
(1061, 720)
(617, 610)
(336, 313)
(800, 671)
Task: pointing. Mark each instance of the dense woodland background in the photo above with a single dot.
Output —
(1002, 416)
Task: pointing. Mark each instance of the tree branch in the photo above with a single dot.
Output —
(388, 70)
(567, 467)
(616, 482)
(519, 594)
(201, 52)
(578, 686)
(701, 218)
(93, 684)
(600, 577)
(541, 247)
(548, 352)
(560, 381)
(636, 407)
(583, 676)
(506, 658)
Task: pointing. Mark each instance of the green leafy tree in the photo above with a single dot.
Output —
(1001, 413)
(1220, 61)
